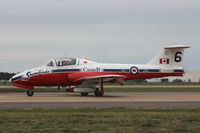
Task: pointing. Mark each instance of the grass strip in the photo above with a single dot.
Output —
(115, 120)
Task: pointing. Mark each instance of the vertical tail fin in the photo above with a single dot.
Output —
(169, 56)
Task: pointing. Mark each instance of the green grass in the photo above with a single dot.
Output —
(100, 120)
(10, 90)
(5, 83)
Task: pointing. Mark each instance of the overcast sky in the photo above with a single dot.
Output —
(117, 31)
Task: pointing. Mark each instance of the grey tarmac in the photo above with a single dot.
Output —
(54, 100)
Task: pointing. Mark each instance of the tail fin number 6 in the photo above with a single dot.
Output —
(177, 57)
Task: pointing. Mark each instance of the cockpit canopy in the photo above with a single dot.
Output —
(62, 62)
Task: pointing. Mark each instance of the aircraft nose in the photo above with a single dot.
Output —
(11, 80)
(15, 78)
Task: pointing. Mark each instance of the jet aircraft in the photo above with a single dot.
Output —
(84, 76)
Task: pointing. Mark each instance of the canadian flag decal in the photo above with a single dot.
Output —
(164, 61)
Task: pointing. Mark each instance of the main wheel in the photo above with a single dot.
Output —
(30, 93)
(84, 94)
(98, 93)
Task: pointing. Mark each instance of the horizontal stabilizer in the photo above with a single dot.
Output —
(177, 47)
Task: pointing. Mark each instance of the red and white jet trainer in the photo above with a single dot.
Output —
(88, 77)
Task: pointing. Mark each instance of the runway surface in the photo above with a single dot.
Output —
(110, 100)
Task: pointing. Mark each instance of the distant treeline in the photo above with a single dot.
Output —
(6, 75)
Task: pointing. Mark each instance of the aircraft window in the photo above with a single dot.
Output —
(66, 62)
(50, 64)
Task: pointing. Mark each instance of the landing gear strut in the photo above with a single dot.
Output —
(30, 93)
(58, 88)
(99, 92)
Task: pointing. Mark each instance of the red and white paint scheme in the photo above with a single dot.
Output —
(85, 76)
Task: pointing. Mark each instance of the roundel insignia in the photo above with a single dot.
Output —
(134, 70)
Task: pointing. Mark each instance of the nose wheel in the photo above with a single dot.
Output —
(30, 93)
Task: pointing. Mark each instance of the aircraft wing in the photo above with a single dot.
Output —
(105, 78)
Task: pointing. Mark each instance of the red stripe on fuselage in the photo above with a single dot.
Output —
(74, 78)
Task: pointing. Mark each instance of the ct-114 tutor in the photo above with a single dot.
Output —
(88, 77)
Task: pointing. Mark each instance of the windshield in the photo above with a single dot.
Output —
(66, 61)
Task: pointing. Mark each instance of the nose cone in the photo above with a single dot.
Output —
(12, 79)
(15, 78)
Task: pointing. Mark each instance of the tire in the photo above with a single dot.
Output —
(30, 93)
(98, 93)
(84, 94)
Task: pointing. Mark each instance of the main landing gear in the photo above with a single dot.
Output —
(30, 93)
(84, 93)
(99, 92)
